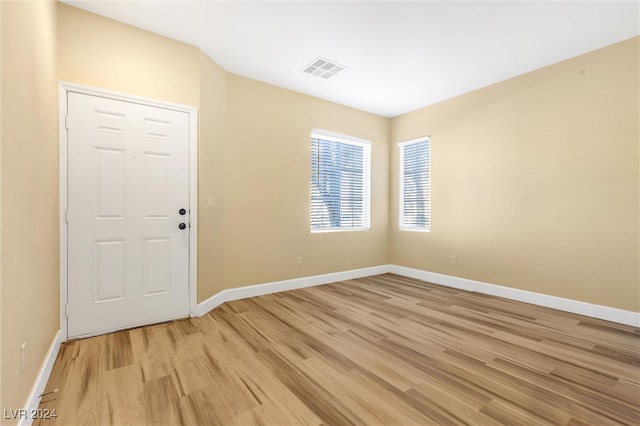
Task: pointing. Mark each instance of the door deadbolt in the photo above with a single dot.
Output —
(182, 212)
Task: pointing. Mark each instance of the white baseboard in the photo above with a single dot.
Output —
(277, 286)
(41, 379)
(568, 305)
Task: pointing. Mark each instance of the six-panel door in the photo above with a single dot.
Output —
(128, 178)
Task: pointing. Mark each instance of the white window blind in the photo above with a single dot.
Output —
(415, 184)
(340, 182)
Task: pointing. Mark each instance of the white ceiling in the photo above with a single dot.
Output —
(400, 55)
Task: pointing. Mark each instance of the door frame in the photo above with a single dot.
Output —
(64, 88)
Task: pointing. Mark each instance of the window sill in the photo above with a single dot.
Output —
(415, 229)
(327, 230)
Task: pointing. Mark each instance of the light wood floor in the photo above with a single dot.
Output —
(378, 350)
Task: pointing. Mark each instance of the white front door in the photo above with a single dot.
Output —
(128, 214)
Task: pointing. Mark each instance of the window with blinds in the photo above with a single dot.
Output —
(340, 182)
(415, 184)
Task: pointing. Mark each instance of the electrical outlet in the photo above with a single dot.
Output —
(23, 356)
(453, 260)
(298, 260)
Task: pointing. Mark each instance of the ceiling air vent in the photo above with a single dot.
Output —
(323, 68)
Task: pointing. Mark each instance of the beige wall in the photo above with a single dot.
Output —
(211, 151)
(535, 181)
(100, 52)
(267, 178)
(30, 273)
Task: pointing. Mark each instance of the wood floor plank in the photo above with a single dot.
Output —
(371, 407)
(161, 402)
(122, 402)
(378, 350)
(582, 401)
(505, 412)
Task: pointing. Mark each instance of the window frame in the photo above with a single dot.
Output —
(366, 179)
(401, 186)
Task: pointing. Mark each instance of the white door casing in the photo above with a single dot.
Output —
(127, 177)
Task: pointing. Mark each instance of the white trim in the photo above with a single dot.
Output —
(318, 135)
(42, 378)
(62, 205)
(568, 305)
(66, 87)
(286, 285)
(339, 137)
(416, 140)
(607, 313)
(335, 229)
(401, 146)
(193, 211)
(212, 303)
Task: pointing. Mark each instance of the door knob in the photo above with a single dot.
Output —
(182, 212)
(182, 226)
